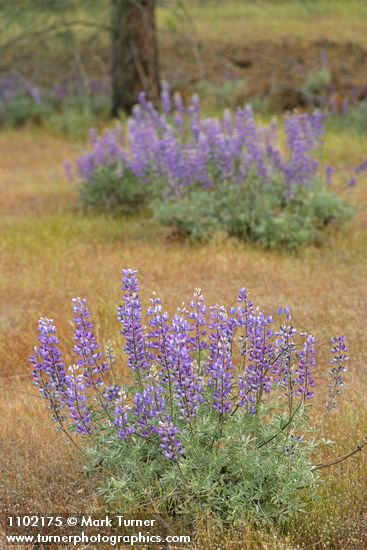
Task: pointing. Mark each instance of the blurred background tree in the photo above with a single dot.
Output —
(134, 53)
(28, 28)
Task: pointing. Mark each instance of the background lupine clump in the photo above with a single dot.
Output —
(204, 175)
(347, 111)
(184, 148)
(79, 99)
(214, 417)
(21, 100)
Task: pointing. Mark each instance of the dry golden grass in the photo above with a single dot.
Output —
(49, 252)
(247, 21)
(39, 470)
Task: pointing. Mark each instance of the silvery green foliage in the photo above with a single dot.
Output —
(108, 191)
(252, 212)
(213, 418)
(232, 474)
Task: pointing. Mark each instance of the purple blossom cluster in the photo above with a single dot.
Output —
(339, 351)
(22, 99)
(48, 368)
(77, 85)
(182, 148)
(13, 85)
(326, 94)
(333, 105)
(216, 361)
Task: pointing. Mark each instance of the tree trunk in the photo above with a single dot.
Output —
(134, 53)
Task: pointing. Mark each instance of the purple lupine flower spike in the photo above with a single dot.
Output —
(305, 366)
(86, 346)
(150, 407)
(170, 444)
(219, 366)
(80, 413)
(339, 351)
(222, 378)
(49, 373)
(129, 315)
(188, 384)
(122, 421)
(197, 314)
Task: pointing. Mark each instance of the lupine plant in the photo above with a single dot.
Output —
(344, 110)
(23, 100)
(211, 175)
(213, 416)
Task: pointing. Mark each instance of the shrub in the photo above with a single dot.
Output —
(108, 191)
(21, 101)
(214, 418)
(23, 110)
(69, 108)
(318, 81)
(184, 149)
(352, 118)
(244, 212)
(75, 116)
(226, 175)
(219, 96)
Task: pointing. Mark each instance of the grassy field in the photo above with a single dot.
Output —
(244, 21)
(51, 252)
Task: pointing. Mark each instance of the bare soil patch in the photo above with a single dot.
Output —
(277, 70)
